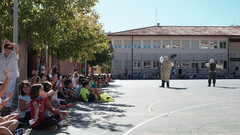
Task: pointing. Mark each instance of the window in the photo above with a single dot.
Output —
(195, 64)
(156, 44)
(203, 64)
(146, 43)
(137, 44)
(146, 64)
(223, 45)
(213, 44)
(136, 64)
(204, 44)
(156, 64)
(166, 44)
(117, 43)
(224, 64)
(175, 44)
(127, 44)
(185, 64)
(185, 44)
(195, 44)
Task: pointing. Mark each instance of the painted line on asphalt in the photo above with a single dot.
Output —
(174, 111)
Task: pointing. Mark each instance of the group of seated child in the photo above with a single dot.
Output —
(41, 100)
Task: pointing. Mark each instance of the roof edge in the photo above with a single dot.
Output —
(164, 26)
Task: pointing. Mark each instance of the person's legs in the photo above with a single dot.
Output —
(2, 119)
(163, 84)
(27, 116)
(11, 125)
(168, 84)
(12, 116)
(91, 98)
(214, 78)
(11, 87)
(98, 93)
(5, 131)
(48, 122)
(209, 79)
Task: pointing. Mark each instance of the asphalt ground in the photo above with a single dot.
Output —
(141, 107)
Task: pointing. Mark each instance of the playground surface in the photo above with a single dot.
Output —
(141, 107)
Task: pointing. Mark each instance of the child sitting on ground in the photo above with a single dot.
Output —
(9, 123)
(58, 97)
(86, 94)
(68, 89)
(24, 102)
(48, 88)
(37, 108)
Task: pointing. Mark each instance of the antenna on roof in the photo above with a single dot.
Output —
(156, 16)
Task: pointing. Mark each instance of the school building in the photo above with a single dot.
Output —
(137, 51)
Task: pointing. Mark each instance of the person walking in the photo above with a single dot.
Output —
(212, 71)
(9, 61)
(165, 71)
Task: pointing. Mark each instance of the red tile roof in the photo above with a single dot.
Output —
(181, 31)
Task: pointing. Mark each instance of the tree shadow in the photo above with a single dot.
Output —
(99, 115)
(92, 115)
(103, 116)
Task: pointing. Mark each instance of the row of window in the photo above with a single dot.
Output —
(177, 64)
(171, 44)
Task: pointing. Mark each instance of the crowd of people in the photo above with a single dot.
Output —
(44, 99)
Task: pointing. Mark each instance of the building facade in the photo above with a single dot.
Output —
(136, 52)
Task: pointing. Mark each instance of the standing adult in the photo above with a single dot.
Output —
(126, 72)
(212, 72)
(165, 71)
(9, 60)
(41, 69)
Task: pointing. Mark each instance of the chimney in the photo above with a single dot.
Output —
(158, 24)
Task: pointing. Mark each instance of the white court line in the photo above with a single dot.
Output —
(174, 111)
(151, 105)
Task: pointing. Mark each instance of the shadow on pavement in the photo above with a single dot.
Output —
(224, 87)
(99, 115)
(90, 116)
(176, 88)
(113, 86)
(94, 117)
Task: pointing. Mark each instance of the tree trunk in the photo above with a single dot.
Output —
(23, 61)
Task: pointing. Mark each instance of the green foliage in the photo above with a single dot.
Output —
(102, 58)
(6, 22)
(70, 27)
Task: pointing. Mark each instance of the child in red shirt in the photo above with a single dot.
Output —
(37, 109)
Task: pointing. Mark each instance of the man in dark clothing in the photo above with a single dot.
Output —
(212, 72)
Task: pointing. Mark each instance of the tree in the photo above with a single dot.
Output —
(70, 27)
(102, 58)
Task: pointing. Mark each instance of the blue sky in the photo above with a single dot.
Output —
(120, 15)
